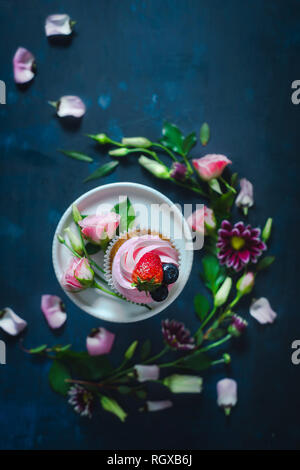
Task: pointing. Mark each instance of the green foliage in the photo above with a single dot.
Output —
(57, 375)
(38, 349)
(215, 334)
(265, 262)
(131, 350)
(77, 156)
(102, 171)
(204, 133)
(222, 205)
(201, 305)
(145, 349)
(197, 361)
(110, 405)
(175, 140)
(213, 274)
(92, 249)
(126, 211)
(84, 366)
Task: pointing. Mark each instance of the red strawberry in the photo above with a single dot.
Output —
(148, 273)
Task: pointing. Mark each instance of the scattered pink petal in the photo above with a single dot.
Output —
(58, 25)
(262, 312)
(23, 65)
(54, 311)
(10, 322)
(158, 405)
(227, 394)
(70, 106)
(99, 341)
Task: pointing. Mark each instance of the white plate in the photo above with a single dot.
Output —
(104, 306)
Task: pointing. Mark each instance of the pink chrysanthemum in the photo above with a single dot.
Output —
(239, 245)
(177, 336)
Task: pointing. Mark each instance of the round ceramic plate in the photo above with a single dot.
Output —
(151, 207)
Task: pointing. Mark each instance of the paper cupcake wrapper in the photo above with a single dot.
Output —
(107, 263)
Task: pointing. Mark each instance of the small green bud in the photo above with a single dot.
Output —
(100, 138)
(157, 169)
(60, 239)
(120, 152)
(223, 292)
(267, 230)
(131, 350)
(226, 358)
(245, 283)
(75, 241)
(136, 142)
(76, 214)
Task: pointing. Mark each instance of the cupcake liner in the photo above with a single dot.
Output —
(107, 263)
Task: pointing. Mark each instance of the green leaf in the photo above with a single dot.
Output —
(77, 156)
(189, 142)
(57, 375)
(123, 389)
(126, 211)
(213, 273)
(199, 337)
(233, 179)
(102, 171)
(145, 349)
(84, 366)
(222, 205)
(215, 334)
(38, 349)
(201, 305)
(265, 262)
(131, 350)
(142, 394)
(204, 133)
(92, 249)
(59, 348)
(172, 138)
(110, 405)
(197, 361)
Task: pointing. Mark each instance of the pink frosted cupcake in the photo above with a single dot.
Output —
(142, 266)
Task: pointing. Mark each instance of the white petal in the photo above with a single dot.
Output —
(261, 310)
(11, 323)
(57, 25)
(227, 393)
(52, 308)
(71, 106)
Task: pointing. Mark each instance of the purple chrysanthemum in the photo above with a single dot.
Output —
(81, 400)
(177, 336)
(239, 245)
(238, 325)
(179, 171)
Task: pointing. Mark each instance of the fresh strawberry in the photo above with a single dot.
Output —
(148, 273)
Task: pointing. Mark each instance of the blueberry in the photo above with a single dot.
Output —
(171, 273)
(160, 294)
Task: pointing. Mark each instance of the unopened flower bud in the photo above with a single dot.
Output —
(157, 169)
(226, 358)
(100, 138)
(245, 283)
(120, 152)
(227, 394)
(267, 230)
(237, 326)
(179, 171)
(76, 214)
(60, 239)
(136, 142)
(223, 292)
(144, 373)
(183, 383)
(75, 241)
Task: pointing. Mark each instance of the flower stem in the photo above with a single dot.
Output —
(214, 345)
(228, 186)
(188, 186)
(206, 320)
(168, 151)
(149, 152)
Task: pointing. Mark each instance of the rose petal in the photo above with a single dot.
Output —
(99, 341)
(70, 106)
(57, 25)
(53, 310)
(11, 323)
(23, 63)
(261, 310)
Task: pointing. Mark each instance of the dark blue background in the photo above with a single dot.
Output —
(135, 63)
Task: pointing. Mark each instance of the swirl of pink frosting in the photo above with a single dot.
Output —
(129, 254)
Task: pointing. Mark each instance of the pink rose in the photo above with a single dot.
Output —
(99, 341)
(98, 228)
(78, 276)
(202, 220)
(210, 166)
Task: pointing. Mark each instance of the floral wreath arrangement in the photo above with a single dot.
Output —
(233, 258)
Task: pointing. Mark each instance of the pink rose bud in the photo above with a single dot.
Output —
(245, 199)
(158, 405)
(99, 341)
(53, 310)
(210, 166)
(78, 275)
(74, 240)
(69, 106)
(227, 394)
(261, 310)
(99, 228)
(245, 283)
(202, 221)
(10, 322)
(145, 373)
(23, 65)
(58, 25)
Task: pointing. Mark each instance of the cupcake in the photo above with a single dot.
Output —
(142, 266)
